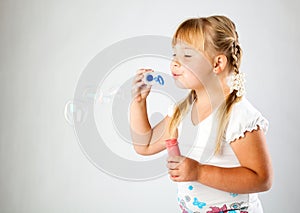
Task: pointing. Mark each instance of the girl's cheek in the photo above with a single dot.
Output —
(191, 81)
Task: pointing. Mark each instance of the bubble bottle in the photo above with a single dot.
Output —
(172, 147)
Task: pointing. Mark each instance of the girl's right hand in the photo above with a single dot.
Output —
(140, 90)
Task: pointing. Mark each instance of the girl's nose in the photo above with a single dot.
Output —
(175, 64)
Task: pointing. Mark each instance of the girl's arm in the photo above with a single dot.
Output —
(146, 140)
(254, 174)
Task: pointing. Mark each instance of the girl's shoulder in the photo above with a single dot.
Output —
(244, 117)
(245, 108)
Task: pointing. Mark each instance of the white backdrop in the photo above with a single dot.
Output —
(44, 47)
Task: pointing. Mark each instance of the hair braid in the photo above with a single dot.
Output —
(180, 111)
(236, 53)
(225, 108)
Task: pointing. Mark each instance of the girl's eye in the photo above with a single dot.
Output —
(187, 56)
(174, 55)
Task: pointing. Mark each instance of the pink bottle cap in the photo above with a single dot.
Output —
(172, 147)
(171, 142)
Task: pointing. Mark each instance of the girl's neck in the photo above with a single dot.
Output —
(201, 108)
(208, 100)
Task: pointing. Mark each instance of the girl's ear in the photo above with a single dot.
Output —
(220, 63)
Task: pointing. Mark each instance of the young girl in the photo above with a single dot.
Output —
(207, 56)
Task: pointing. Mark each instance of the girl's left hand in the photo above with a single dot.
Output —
(183, 169)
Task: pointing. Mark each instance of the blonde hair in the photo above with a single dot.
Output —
(212, 36)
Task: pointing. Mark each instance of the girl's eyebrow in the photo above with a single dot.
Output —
(185, 48)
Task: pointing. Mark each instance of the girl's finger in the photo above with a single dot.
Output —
(135, 90)
(172, 166)
(175, 178)
(176, 159)
(139, 85)
(146, 87)
(174, 173)
(140, 71)
(137, 79)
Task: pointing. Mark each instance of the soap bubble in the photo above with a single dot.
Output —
(155, 118)
(107, 95)
(75, 112)
(102, 95)
(113, 109)
(90, 94)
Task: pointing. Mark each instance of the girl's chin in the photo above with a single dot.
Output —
(180, 84)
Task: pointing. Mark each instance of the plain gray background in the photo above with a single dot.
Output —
(45, 45)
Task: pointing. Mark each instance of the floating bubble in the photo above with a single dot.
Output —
(115, 114)
(90, 93)
(155, 118)
(75, 112)
(103, 95)
(107, 95)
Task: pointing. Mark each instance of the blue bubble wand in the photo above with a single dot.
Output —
(151, 78)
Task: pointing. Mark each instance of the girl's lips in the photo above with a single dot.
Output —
(176, 75)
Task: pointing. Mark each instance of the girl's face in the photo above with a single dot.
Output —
(190, 69)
